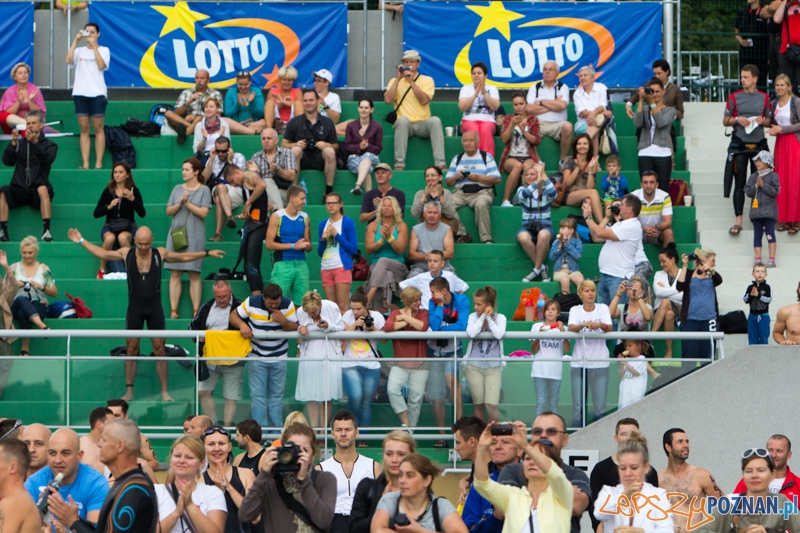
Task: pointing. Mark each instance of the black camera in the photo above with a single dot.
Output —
(441, 343)
(288, 458)
(403, 68)
(648, 90)
(502, 430)
(310, 143)
(692, 257)
(368, 321)
(614, 210)
(27, 286)
(401, 520)
(465, 173)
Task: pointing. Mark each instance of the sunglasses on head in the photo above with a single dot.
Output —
(17, 424)
(758, 452)
(216, 429)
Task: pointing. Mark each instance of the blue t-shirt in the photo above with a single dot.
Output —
(701, 306)
(89, 489)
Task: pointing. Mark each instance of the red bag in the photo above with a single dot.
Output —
(81, 311)
(677, 190)
(360, 267)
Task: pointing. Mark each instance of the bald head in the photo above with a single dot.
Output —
(36, 438)
(64, 454)
(199, 425)
(66, 438)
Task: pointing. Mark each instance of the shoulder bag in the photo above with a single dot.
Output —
(792, 52)
(391, 116)
(180, 236)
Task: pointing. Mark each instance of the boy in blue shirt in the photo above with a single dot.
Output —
(614, 186)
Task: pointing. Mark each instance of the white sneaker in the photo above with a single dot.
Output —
(532, 276)
(543, 272)
(46, 237)
(506, 203)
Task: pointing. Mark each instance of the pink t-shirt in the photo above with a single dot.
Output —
(10, 98)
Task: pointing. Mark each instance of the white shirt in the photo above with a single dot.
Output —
(334, 102)
(618, 258)
(218, 317)
(666, 290)
(358, 349)
(330, 257)
(549, 93)
(655, 150)
(422, 282)
(548, 349)
(782, 115)
(238, 160)
(479, 111)
(654, 211)
(589, 101)
(89, 80)
(590, 348)
(206, 497)
(776, 485)
(608, 498)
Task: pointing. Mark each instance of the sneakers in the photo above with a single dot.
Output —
(356, 191)
(506, 203)
(532, 276)
(180, 128)
(231, 223)
(545, 276)
(3, 236)
(46, 237)
(100, 274)
(770, 263)
(464, 238)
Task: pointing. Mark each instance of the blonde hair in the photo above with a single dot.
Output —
(410, 295)
(399, 436)
(398, 214)
(30, 240)
(295, 417)
(636, 443)
(785, 79)
(587, 283)
(212, 99)
(194, 444)
(311, 302)
(288, 73)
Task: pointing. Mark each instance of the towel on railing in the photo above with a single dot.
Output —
(226, 343)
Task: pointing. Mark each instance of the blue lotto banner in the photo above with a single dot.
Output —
(169, 42)
(621, 40)
(16, 37)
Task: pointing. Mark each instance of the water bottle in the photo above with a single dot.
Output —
(540, 306)
(41, 503)
(303, 185)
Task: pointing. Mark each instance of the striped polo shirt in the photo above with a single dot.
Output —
(654, 212)
(253, 311)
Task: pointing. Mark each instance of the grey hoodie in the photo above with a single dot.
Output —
(767, 205)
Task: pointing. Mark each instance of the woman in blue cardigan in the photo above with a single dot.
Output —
(338, 244)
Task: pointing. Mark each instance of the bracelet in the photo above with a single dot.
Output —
(381, 241)
(80, 241)
(206, 253)
(292, 246)
(652, 106)
(588, 217)
(391, 239)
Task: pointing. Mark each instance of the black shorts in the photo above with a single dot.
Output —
(312, 160)
(153, 315)
(20, 197)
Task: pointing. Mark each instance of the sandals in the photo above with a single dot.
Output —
(356, 191)
(735, 229)
(783, 227)
(441, 444)
(794, 227)
(24, 353)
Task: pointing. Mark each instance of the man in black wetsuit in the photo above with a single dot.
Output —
(256, 210)
(131, 504)
(144, 294)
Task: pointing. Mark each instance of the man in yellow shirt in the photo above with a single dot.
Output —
(411, 93)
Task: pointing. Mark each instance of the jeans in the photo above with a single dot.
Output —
(598, 382)
(546, 394)
(267, 381)
(697, 348)
(758, 329)
(360, 384)
(607, 287)
(24, 309)
(416, 379)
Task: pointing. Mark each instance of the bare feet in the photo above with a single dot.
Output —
(165, 397)
(128, 394)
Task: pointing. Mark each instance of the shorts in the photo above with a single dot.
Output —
(563, 273)
(106, 230)
(484, 384)
(20, 197)
(92, 106)
(535, 238)
(354, 160)
(153, 315)
(312, 160)
(551, 129)
(579, 128)
(232, 380)
(651, 240)
(438, 369)
(333, 276)
(235, 194)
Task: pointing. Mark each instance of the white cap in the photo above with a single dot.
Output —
(325, 74)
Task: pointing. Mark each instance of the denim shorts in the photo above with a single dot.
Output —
(354, 160)
(90, 106)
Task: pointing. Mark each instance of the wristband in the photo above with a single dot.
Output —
(292, 246)
(206, 253)
(391, 239)
(629, 104)
(588, 217)
(80, 242)
(381, 241)
(652, 106)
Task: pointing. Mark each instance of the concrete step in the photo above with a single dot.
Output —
(703, 164)
(710, 199)
(786, 249)
(705, 186)
(722, 225)
(714, 140)
(715, 236)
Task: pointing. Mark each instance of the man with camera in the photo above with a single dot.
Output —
(215, 315)
(190, 104)
(436, 263)
(447, 311)
(226, 198)
(433, 234)
(348, 466)
(275, 164)
(411, 93)
(312, 139)
(474, 175)
(656, 213)
(617, 261)
(32, 157)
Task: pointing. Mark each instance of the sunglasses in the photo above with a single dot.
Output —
(550, 432)
(17, 424)
(242, 74)
(216, 429)
(758, 452)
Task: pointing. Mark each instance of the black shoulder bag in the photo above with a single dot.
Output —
(295, 506)
(391, 116)
(792, 50)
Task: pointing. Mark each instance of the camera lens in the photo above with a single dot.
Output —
(615, 210)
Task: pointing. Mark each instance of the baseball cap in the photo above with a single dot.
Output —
(384, 166)
(764, 156)
(324, 74)
(412, 55)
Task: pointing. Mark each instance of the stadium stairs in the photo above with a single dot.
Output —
(36, 388)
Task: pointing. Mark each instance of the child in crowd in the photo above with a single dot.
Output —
(763, 186)
(565, 253)
(484, 378)
(535, 196)
(614, 185)
(547, 374)
(759, 296)
(632, 370)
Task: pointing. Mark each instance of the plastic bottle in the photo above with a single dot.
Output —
(540, 302)
(41, 503)
(303, 185)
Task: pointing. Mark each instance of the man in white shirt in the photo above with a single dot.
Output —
(656, 214)
(436, 263)
(548, 100)
(591, 101)
(330, 104)
(617, 259)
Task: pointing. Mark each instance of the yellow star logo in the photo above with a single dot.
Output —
(495, 17)
(180, 17)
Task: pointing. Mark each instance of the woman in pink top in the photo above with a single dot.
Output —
(282, 101)
(20, 98)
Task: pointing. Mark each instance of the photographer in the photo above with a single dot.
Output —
(698, 313)
(535, 197)
(288, 493)
(312, 139)
(655, 122)
(360, 376)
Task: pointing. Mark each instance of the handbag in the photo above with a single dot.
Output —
(391, 116)
(180, 236)
(118, 225)
(360, 267)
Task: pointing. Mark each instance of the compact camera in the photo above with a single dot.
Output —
(403, 68)
(310, 143)
(288, 458)
(502, 430)
(27, 287)
(614, 210)
(85, 33)
(648, 90)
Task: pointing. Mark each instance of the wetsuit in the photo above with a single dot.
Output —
(144, 293)
(251, 463)
(131, 506)
(253, 237)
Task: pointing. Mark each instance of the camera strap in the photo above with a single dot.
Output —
(295, 506)
(404, 95)
(434, 507)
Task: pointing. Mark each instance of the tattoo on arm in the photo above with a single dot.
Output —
(714, 484)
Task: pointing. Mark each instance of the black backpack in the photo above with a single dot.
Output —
(119, 144)
(141, 128)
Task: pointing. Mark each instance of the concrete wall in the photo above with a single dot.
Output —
(393, 32)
